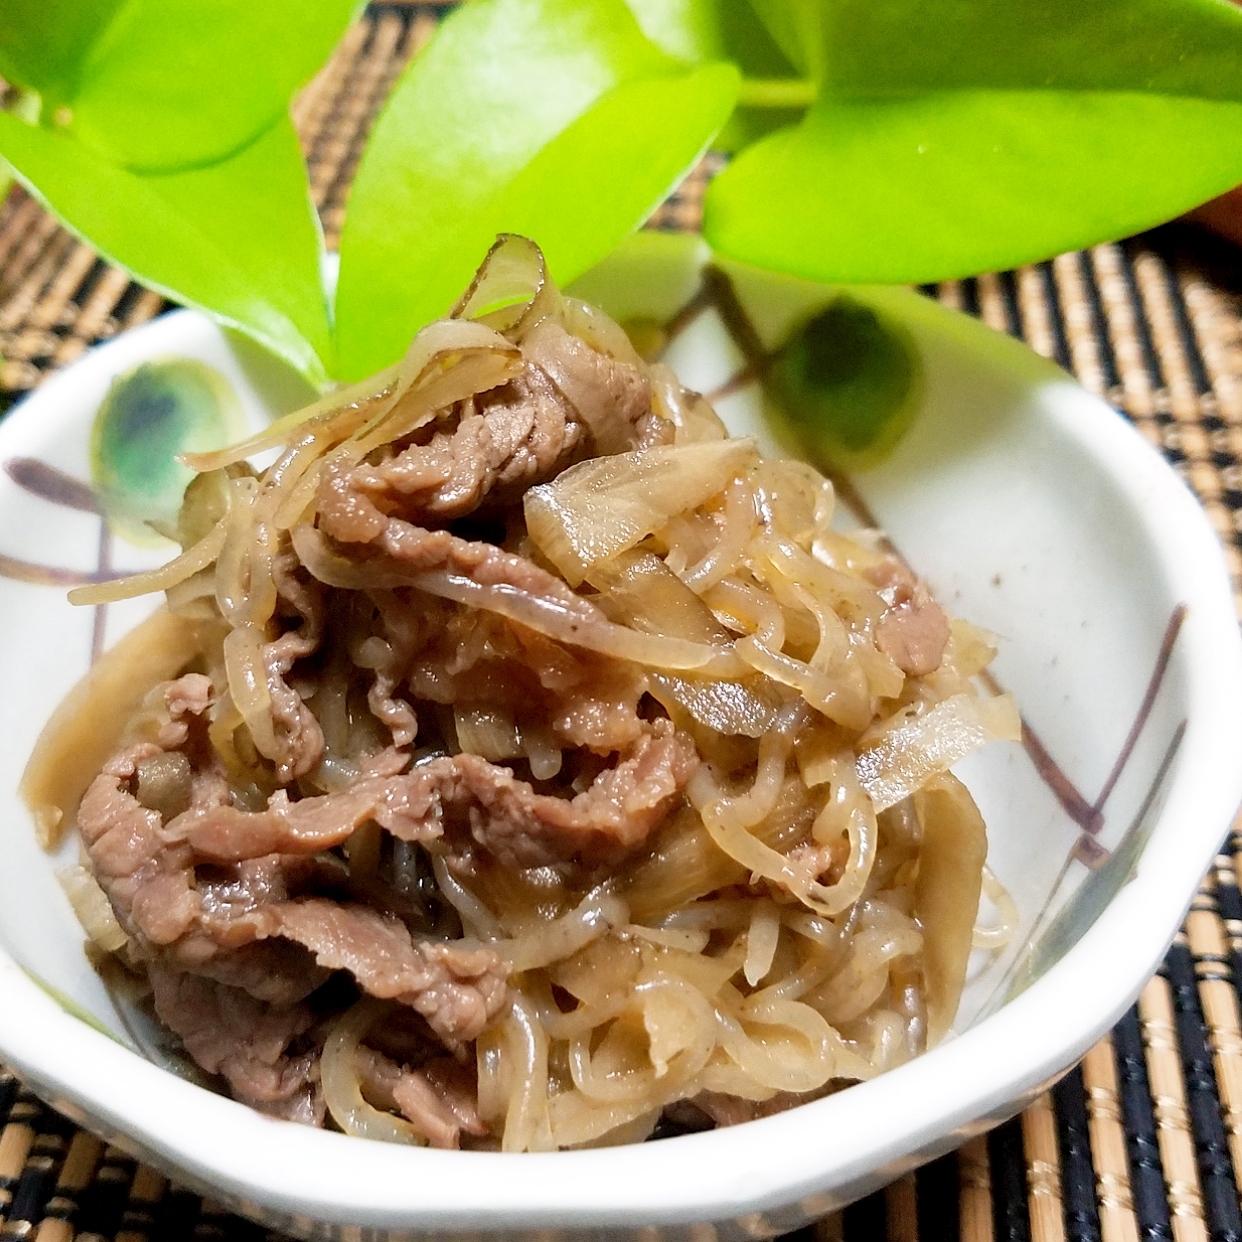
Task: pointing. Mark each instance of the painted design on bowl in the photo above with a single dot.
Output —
(151, 415)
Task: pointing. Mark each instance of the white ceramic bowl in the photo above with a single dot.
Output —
(1030, 506)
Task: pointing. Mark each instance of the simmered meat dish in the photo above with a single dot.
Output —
(518, 760)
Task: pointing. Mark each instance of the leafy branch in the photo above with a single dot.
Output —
(871, 140)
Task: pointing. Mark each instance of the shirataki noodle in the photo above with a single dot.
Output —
(519, 760)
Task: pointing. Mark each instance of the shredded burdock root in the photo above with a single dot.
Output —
(519, 759)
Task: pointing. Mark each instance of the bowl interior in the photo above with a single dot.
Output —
(1006, 494)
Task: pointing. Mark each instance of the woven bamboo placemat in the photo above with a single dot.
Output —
(1144, 1139)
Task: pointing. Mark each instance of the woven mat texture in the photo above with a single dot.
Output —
(1143, 1140)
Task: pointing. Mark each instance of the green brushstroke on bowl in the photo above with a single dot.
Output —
(151, 415)
(847, 384)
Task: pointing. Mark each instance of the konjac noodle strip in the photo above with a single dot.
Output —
(518, 760)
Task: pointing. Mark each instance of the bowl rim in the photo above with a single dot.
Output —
(809, 1154)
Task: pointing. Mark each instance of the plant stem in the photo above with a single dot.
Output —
(776, 93)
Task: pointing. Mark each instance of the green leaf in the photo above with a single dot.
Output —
(700, 32)
(44, 42)
(940, 186)
(167, 84)
(553, 118)
(238, 239)
(959, 136)
(798, 28)
(1170, 47)
(178, 82)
